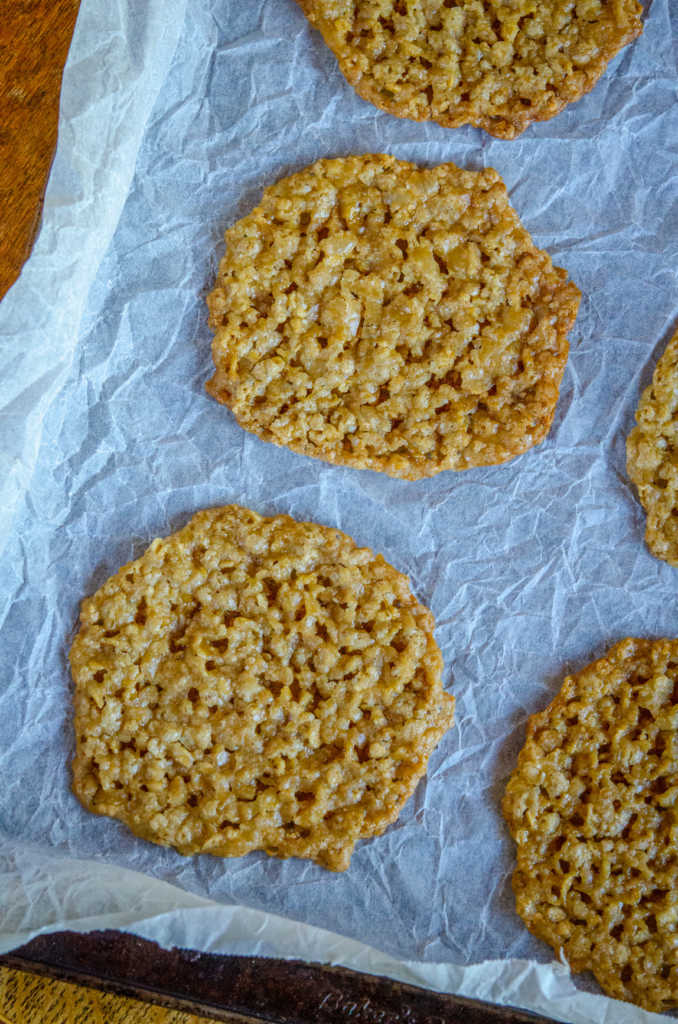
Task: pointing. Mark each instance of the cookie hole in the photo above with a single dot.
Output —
(626, 973)
(304, 798)
(321, 630)
(118, 784)
(304, 219)
(564, 866)
(617, 931)
(275, 687)
(143, 787)
(270, 587)
(645, 717)
(572, 721)
(228, 824)
(210, 665)
(192, 800)
(294, 287)
(213, 708)
(577, 820)
(412, 289)
(452, 378)
(665, 972)
(442, 265)
(108, 633)
(363, 752)
(444, 408)
(262, 303)
(659, 786)
(322, 343)
(295, 690)
(193, 695)
(296, 831)
(140, 617)
(99, 676)
(323, 233)
(428, 91)
(402, 245)
(316, 699)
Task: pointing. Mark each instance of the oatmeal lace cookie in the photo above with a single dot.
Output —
(499, 66)
(255, 683)
(652, 456)
(593, 809)
(382, 316)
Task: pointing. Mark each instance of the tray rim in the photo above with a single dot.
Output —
(246, 989)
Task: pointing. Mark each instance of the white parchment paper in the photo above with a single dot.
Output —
(174, 118)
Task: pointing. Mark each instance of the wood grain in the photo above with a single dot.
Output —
(30, 999)
(34, 39)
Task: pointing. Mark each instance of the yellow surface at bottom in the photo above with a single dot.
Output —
(29, 999)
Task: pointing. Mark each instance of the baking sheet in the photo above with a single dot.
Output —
(173, 121)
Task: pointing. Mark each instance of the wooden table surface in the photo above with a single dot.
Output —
(29, 999)
(35, 37)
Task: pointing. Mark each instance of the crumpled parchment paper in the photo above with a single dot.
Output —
(174, 118)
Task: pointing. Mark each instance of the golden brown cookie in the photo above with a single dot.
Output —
(652, 456)
(593, 808)
(255, 684)
(383, 316)
(499, 66)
